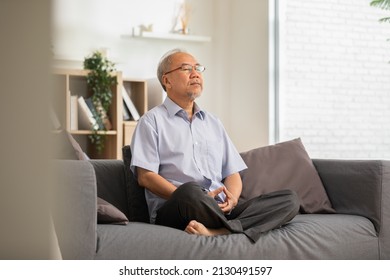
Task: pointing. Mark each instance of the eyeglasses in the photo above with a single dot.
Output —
(188, 68)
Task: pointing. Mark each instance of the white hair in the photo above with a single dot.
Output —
(165, 63)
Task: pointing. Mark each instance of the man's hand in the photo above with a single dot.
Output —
(230, 201)
(215, 192)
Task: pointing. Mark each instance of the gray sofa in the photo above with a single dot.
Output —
(360, 228)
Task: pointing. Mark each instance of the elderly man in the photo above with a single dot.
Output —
(189, 167)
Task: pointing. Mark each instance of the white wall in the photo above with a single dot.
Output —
(249, 86)
(236, 79)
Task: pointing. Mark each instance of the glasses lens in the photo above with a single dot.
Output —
(199, 68)
(188, 68)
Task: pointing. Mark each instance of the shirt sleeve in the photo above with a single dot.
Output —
(144, 146)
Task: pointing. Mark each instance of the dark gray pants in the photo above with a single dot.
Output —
(253, 217)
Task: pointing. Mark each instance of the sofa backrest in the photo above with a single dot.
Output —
(111, 183)
(135, 194)
(353, 186)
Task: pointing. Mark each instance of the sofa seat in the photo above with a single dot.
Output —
(308, 236)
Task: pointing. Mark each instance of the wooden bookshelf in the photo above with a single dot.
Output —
(69, 82)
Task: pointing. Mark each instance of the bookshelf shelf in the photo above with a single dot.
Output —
(90, 132)
(169, 36)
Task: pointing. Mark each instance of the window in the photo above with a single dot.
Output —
(334, 78)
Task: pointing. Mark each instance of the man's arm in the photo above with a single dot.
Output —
(155, 183)
(234, 184)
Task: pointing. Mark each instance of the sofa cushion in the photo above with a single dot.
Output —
(138, 209)
(109, 214)
(285, 166)
(306, 237)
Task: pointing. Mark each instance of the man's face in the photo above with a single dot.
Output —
(183, 84)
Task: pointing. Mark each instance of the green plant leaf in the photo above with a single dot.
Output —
(386, 19)
(383, 4)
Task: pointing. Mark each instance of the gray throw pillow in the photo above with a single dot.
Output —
(285, 166)
(109, 214)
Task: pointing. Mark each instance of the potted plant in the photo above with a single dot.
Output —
(100, 80)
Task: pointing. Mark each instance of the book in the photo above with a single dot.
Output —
(103, 115)
(94, 112)
(86, 119)
(74, 112)
(130, 105)
(125, 112)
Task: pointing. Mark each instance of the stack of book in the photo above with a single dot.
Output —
(87, 114)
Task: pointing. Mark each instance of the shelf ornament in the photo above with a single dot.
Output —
(182, 18)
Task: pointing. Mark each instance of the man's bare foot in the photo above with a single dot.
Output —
(195, 227)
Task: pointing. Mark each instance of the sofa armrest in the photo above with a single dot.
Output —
(74, 208)
(360, 187)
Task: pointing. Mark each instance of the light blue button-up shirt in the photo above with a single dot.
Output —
(166, 142)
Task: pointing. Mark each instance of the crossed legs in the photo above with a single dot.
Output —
(192, 210)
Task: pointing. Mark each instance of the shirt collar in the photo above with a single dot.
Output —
(173, 109)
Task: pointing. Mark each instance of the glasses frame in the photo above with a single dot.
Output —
(181, 67)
